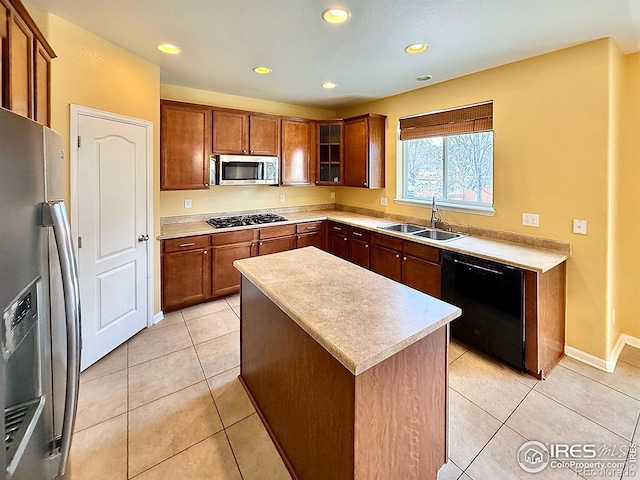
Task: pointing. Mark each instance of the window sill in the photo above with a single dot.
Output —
(478, 210)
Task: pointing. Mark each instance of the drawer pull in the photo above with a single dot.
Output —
(204, 253)
(338, 228)
(345, 239)
(404, 258)
(188, 244)
(397, 255)
(366, 245)
(260, 243)
(357, 234)
(311, 227)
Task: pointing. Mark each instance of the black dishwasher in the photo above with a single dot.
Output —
(491, 296)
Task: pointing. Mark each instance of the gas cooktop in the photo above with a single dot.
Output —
(243, 220)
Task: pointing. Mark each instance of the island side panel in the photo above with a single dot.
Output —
(303, 394)
(401, 413)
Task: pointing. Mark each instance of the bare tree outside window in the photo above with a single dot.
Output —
(455, 167)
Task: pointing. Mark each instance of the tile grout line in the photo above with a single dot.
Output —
(583, 416)
(601, 383)
(215, 405)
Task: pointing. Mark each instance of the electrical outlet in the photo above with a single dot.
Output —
(187, 203)
(333, 195)
(384, 200)
(283, 197)
(531, 219)
(579, 226)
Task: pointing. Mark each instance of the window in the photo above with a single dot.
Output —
(449, 155)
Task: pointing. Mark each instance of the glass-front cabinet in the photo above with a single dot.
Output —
(330, 170)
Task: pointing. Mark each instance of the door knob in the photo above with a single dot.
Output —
(143, 238)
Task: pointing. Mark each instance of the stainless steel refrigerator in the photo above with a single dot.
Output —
(39, 297)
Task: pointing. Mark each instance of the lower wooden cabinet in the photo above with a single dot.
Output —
(186, 278)
(359, 252)
(386, 262)
(421, 275)
(226, 248)
(312, 239)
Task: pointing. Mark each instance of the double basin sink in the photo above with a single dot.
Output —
(420, 231)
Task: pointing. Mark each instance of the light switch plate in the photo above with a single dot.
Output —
(579, 226)
(531, 219)
(283, 197)
(187, 203)
(384, 200)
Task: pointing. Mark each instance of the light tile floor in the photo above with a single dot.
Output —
(168, 405)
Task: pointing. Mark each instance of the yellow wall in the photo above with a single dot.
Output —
(551, 151)
(628, 221)
(226, 198)
(93, 72)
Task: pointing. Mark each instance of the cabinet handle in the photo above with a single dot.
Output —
(357, 234)
(338, 228)
(244, 150)
(345, 239)
(365, 184)
(204, 253)
(366, 245)
(188, 244)
(397, 255)
(311, 228)
(206, 184)
(260, 243)
(404, 258)
(250, 151)
(298, 236)
(253, 244)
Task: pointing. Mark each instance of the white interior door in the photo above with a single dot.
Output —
(113, 229)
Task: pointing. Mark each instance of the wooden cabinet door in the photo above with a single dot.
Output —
(421, 275)
(359, 252)
(230, 132)
(339, 245)
(186, 278)
(275, 245)
(312, 239)
(386, 262)
(296, 152)
(42, 81)
(356, 153)
(4, 59)
(264, 135)
(225, 277)
(185, 146)
(20, 81)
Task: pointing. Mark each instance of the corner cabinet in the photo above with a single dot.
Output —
(298, 140)
(25, 59)
(329, 153)
(185, 146)
(241, 133)
(364, 142)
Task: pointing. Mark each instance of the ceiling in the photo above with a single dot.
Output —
(222, 40)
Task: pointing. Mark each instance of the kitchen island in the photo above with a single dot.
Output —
(347, 368)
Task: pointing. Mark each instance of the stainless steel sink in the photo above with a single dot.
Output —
(403, 228)
(438, 235)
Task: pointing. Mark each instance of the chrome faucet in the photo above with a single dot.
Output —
(435, 214)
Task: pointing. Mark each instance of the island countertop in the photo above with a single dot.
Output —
(361, 318)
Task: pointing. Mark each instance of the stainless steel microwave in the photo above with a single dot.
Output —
(245, 170)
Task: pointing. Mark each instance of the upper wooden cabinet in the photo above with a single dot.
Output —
(364, 151)
(330, 153)
(185, 146)
(296, 152)
(241, 133)
(25, 60)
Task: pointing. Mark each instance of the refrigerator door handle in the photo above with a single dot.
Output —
(56, 212)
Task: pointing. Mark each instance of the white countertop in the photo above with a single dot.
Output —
(358, 316)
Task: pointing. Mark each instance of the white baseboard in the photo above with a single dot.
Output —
(158, 317)
(605, 365)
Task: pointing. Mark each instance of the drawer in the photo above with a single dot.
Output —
(338, 227)
(359, 234)
(185, 243)
(281, 231)
(421, 251)
(239, 236)
(387, 241)
(308, 227)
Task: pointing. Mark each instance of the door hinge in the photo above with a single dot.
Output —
(79, 241)
(79, 141)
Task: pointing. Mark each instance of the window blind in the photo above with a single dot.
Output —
(474, 118)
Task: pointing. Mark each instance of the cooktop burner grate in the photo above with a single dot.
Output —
(243, 220)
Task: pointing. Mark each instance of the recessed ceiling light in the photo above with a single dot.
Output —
(168, 48)
(328, 85)
(336, 15)
(423, 78)
(262, 70)
(415, 48)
